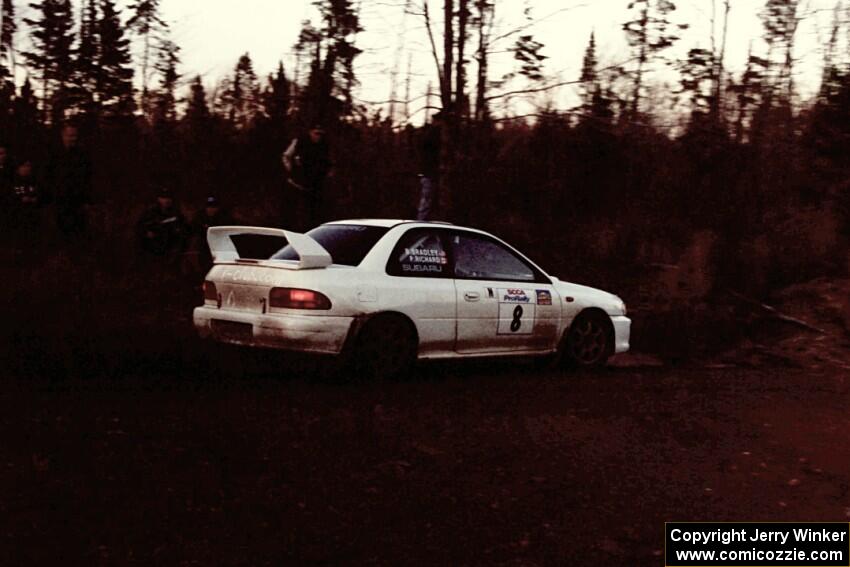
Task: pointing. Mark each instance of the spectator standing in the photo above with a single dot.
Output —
(6, 173)
(429, 170)
(70, 180)
(25, 209)
(308, 163)
(6, 177)
(162, 229)
(213, 214)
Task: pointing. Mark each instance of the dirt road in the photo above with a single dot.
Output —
(243, 462)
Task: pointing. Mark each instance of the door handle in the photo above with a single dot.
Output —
(472, 296)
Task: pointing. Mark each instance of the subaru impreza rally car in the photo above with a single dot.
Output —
(388, 292)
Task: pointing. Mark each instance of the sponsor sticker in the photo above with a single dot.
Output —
(425, 256)
(544, 297)
(516, 311)
(513, 296)
(421, 268)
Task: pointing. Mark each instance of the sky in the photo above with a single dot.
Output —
(214, 33)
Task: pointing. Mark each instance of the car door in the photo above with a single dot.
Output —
(504, 303)
(422, 287)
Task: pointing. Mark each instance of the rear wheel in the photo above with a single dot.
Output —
(589, 342)
(386, 347)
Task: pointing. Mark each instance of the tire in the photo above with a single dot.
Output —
(589, 341)
(386, 347)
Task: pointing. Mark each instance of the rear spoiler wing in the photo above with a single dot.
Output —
(311, 254)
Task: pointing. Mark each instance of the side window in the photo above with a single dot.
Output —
(419, 254)
(480, 258)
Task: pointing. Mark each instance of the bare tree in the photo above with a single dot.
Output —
(8, 27)
(484, 17)
(648, 33)
(780, 19)
(719, 56)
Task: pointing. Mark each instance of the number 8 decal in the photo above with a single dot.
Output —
(517, 322)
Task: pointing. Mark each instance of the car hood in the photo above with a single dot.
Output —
(590, 296)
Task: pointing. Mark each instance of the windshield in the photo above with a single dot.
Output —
(347, 244)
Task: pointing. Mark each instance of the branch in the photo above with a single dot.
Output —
(426, 14)
(555, 85)
(775, 313)
(394, 100)
(533, 23)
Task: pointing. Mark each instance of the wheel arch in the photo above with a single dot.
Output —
(361, 321)
(591, 312)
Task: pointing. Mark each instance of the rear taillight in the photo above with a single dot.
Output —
(288, 298)
(210, 293)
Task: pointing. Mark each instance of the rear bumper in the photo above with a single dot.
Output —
(622, 333)
(307, 333)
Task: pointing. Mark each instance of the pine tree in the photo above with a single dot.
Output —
(527, 52)
(328, 92)
(596, 101)
(241, 98)
(87, 73)
(197, 109)
(168, 58)
(7, 38)
(51, 57)
(146, 23)
(308, 46)
(589, 74)
(7, 83)
(196, 120)
(26, 109)
(751, 93)
(115, 87)
(276, 98)
(648, 34)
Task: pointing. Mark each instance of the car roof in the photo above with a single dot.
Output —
(391, 223)
(386, 223)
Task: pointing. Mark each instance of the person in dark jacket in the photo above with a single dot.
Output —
(429, 171)
(6, 173)
(70, 181)
(213, 214)
(25, 208)
(308, 163)
(162, 230)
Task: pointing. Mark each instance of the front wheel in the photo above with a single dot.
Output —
(386, 347)
(589, 341)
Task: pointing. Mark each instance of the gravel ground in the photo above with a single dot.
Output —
(236, 458)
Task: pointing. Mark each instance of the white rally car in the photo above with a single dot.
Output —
(387, 292)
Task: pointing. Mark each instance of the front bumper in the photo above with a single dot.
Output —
(307, 333)
(622, 333)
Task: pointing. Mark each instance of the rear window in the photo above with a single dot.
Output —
(257, 245)
(347, 244)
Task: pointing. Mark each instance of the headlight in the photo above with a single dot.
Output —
(623, 307)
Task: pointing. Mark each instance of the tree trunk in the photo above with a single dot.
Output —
(481, 112)
(145, 92)
(448, 130)
(448, 55)
(638, 82)
(716, 103)
(460, 72)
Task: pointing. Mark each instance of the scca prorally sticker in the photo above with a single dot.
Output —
(514, 296)
(517, 311)
(544, 297)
